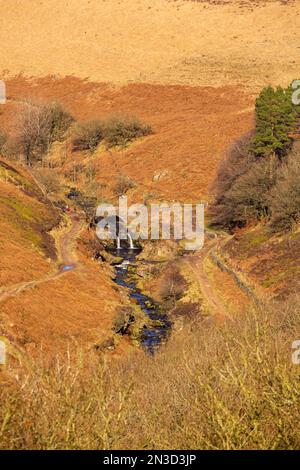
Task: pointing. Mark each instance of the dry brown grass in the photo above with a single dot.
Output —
(182, 42)
(230, 386)
(78, 306)
(192, 127)
(24, 220)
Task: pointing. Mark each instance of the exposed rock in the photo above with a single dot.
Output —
(161, 250)
(124, 318)
(158, 175)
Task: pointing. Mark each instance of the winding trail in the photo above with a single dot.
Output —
(196, 263)
(66, 242)
(66, 257)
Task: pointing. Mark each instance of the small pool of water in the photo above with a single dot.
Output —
(67, 267)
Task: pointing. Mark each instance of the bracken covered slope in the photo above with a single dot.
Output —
(39, 306)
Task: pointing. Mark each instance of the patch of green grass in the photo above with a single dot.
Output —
(22, 211)
(35, 238)
(280, 276)
(24, 218)
(258, 239)
(16, 178)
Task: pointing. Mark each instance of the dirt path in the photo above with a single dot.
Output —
(66, 242)
(67, 258)
(196, 263)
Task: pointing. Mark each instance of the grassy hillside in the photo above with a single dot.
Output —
(145, 98)
(192, 127)
(257, 197)
(268, 260)
(26, 217)
(47, 309)
(167, 42)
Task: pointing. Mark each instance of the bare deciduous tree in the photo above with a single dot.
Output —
(38, 127)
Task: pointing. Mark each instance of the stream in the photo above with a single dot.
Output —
(154, 335)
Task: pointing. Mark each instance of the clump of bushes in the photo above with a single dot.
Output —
(247, 199)
(238, 161)
(88, 205)
(186, 310)
(58, 121)
(257, 171)
(173, 286)
(120, 130)
(124, 318)
(117, 130)
(237, 164)
(88, 135)
(39, 127)
(285, 196)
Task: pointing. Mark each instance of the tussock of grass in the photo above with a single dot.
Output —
(227, 386)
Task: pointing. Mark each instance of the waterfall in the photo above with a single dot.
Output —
(131, 244)
(118, 243)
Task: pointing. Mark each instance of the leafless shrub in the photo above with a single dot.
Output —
(88, 135)
(123, 185)
(10, 148)
(59, 120)
(236, 163)
(189, 310)
(285, 196)
(117, 130)
(90, 173)
(242, 188)
(121, 129)
(173, 286)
